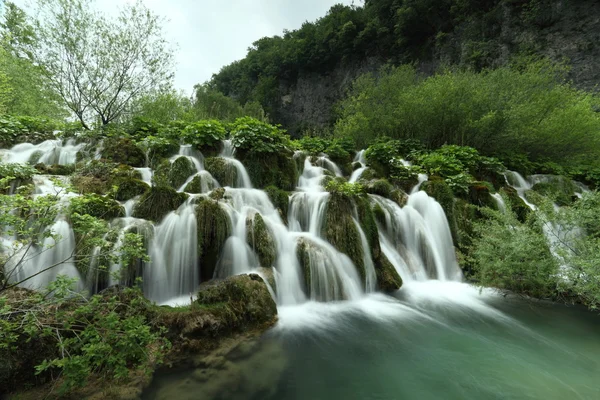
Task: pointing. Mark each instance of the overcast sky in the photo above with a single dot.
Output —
(212, 33)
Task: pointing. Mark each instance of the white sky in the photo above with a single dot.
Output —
(212, 33)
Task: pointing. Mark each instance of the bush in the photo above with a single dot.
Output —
(207, 133)
(96, 206)
(250, 134)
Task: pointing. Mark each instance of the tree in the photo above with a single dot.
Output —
(100, 65)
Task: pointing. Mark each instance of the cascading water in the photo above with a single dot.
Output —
(48, 152)
(360, 158)
(416, 238)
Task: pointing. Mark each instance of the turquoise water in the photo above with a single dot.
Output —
(433, 340)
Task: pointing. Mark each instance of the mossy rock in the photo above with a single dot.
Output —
(157, 152)
(356, 165)
(437, 188)
(480, 194)
(299, 159)
(399, 197)
(90, 184)
(158, 202)
(260, 239)
(466, 215)
(123, 151)
(380, 187)
(195, 185)
(123, 171)
(303, 256)
(270, 169)
(222, 170)
(214, 228)
(181, 169)
(516, 203)
(339, 230)
(211, 151)
(236, 303)
(97, 206)
(130, 188)
(280, 199)
(55, 169)
(388, 279)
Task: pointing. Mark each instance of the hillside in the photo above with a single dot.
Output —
(299, 76)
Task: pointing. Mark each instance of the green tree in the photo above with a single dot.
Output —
(100, 65)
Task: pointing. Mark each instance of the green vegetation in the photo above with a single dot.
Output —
(158, 202)
(522, 111)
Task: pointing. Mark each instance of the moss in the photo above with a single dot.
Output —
(97, 206)
(379, 187)
(90, 184)
(157, 152)
(195, 185)
(341, 231)
(516, 203)
(260, 239)
(34, 158)
(223, 171)
(234, 304)
(123, 151)
(303, 256)
(271, 169)
(399, 197)
(437, 188)
(280, 199)
(158, 202)
(388, 279)
(130, 188)
(55, 169)
(466, 215)
(180, 170)
(479, 194)
(213, 230)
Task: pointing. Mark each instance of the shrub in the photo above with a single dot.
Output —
(206, 133)
(250, 134)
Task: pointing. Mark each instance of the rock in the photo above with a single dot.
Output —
(280, 199)
(388, 279)
(340, 230)
(123, 151)
(130, 188)
(260, 239)
(270, 169)
(97, 206)
(516, 203)
(214, 228)
(158, 202)
(222, 170)
(379, 187)
(181, 169)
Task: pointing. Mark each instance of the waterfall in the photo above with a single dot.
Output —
(48, 152)
(360, 158)
(173, 268)
(227, 154)
(304, 266)
(417, 238)
(499, 201)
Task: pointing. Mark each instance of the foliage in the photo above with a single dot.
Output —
(522, 110)
(107, 335)
(21, 172)
(98, 64)
(345, 188)
(250, 134)
(96, 206)
(203, 133)
(513, 256)
(212, 104)
(162, 107)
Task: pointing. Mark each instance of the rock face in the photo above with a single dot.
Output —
(213, 230)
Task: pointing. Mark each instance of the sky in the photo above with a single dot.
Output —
(210, 34)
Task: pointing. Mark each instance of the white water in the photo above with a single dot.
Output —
(499, 201)
(50, 152)
(360, 158)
